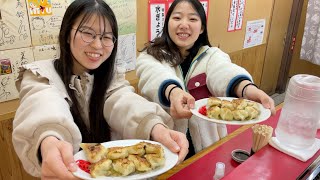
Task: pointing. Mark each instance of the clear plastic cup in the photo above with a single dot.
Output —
(219, 172)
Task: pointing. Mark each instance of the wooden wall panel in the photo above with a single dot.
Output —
(133, 79)
(218, 23)
(142, 23)
(276, 41)
(252, 60)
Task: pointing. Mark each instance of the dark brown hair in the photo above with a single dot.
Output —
(99, 130)
(164, 49)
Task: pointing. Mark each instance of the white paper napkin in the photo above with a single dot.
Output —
(301, 154)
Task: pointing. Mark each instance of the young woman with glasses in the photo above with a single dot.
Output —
(82, 97)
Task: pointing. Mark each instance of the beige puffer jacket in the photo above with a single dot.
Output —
(44, 111)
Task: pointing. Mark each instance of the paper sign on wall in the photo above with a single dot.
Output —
(236, 13)
(45, 52)
(156, 10)
(45, 25)
(205, 4)
(239, 20)
(126, 55)
(40, 8)
(14, 58)
(254, 33)
(125, 11)
(14, 25)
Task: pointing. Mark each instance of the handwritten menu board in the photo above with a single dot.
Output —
(45, 19)
(29, 32)
(125, 11)
(10, 61)
(14, 25)
(126, 55)
(46, 52)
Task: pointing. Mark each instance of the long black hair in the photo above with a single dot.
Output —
(164, 49)
(99, 130)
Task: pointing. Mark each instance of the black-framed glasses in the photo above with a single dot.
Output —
(88, 35)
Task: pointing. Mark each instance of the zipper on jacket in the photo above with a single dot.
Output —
(184, 79)
(193, 61)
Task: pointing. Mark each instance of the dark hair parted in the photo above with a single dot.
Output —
(164, 49)
(99, 130)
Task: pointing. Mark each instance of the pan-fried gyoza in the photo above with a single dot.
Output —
(237, 109)
(123, 161)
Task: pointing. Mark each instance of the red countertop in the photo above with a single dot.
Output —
(268, 163)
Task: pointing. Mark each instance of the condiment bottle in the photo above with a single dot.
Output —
(219, 172)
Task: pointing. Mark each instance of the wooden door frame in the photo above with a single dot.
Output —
(289, 45)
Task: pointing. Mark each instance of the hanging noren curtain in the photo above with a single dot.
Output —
(310, 47)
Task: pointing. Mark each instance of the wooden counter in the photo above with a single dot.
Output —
(10, 166)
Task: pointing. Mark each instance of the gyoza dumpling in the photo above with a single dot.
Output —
(240, 114)
(155, 160)
(252, 112)
(117, 153)
(141, 164)
(227, 104)
(254, 105)
(112, 172)
(213, 112)
(153, 149)
(123, 166)
(100, 168)
(94, 152)
(213, 101)
(239, 103)
(226, 114)
(137, 149)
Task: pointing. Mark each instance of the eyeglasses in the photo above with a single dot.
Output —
(88, 35)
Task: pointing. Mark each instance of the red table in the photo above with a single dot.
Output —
(268, 163)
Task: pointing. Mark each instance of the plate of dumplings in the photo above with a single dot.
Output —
(124, 159)
(233, 111)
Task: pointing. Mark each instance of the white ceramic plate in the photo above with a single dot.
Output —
(171, 160)
(264, 113)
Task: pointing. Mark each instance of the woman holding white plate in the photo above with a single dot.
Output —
(180, 67)
(83, 97)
